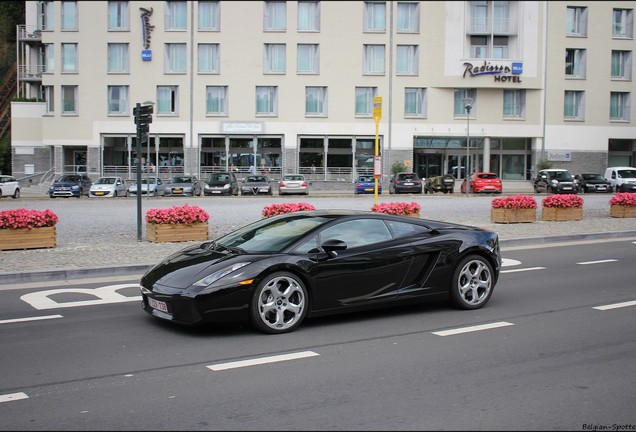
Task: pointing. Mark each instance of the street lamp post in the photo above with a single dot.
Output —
(468, 104)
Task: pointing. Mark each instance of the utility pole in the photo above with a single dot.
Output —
(143, 118)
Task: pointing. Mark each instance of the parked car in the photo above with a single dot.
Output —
(221, 183)
(444, 183)
(9, 186)
(188, 185)
(277, 271)
(405, 182)
(365, 184)
(70, 185)
(623, 179)
(592, 182)
(256, 185)
(108, 187)
(555, 180)
(483, 182)
(151, 186)
(293, 184)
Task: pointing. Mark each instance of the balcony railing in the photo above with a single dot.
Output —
(496, 26)
(30, 72)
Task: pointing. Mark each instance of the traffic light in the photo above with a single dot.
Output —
(143, 115)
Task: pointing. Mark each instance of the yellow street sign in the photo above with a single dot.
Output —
(377, 108)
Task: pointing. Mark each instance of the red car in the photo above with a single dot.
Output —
(483, 182)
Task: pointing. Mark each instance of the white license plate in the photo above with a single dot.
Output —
(159, 305)
(408, 184)
(567, 188)
(216, 192)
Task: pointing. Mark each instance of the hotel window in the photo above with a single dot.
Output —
(266, 100)
(46, 15)
(415, 102)
(574, 105)
(407, 60)
(175, 17)
(575, 62)
(308, 16)
(49, 94)
(167, 100)
(275, 16)
(622, 65)
(209, 58)
(374, 16)
(308, 59)
(500, 47)
(118, 100)
(69, 99)
(408, 17)
(216, 100)
(69, 57)
(458, 106)
(514, 103)
(49, 57)
(619, 106)
(373, 60)
(316, 101)
(118, 58)
(69, 15)
(209, 13)
(118, 16)
(478, 47)
(175, 58)
(364, 100)
(623, 23)
(274, 58)
(576, 21)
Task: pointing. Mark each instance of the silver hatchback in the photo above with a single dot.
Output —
(293, 184)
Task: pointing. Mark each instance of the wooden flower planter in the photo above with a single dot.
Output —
(34, 238)
(162, 233)
(505, 215)
(413, 215)
(619, 211)
(561, 214)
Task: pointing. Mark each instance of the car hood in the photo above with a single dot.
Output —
(217, 183)
(65, 184)
(596, 181)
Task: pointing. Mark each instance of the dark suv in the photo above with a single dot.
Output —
(405, 182)
(221, 183)
(71, 185)
(555, 180)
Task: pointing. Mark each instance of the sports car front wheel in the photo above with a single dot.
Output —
(472, 283)
(279, 303)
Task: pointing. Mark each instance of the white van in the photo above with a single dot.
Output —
(623, 179)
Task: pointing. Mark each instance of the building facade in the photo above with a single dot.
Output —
(322, 87)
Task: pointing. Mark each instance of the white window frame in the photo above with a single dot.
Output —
(373, 59)
(69, 90)
(274, 58)
(49, 57)
(70, 18)
(167, 100)
(308, 16)
(69, 58)
(118, 100)
(415, 102)
(578, 68)
(209, 58)
(374, 17)
(216, 100)
(118, 58)
(407, 60)
(46, 15)
(315, 101)
(576, 21)
(621, 60)
(209, 16)
(514, 103)
(176, 15)
(623, 23)
(175, 58)
(266, 101)
(620, 106)
(275, 16)
(49, 97)
(408, 17)
(118, 16)
(459, 111)
(308, 59)
(576, 98)
(364, 101)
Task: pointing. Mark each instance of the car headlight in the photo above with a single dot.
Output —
(210, 279)
(554, 182)
(226, 186)
(76, 187)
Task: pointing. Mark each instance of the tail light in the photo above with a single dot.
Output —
(281, 184)
(304, 184)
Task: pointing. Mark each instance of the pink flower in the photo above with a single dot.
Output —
(397, 208)
(515, 202)
(625, 199)
(23, 218)
(562, 201)
(277, 209)
(185, 214)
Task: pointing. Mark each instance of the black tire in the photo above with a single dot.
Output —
(16, 194)
(279, 303)
(472, 283)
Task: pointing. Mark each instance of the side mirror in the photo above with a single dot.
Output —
(333, 246)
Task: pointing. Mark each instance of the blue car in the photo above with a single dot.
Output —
(365, 184)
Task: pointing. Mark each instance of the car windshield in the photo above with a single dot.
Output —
(560, 175)
(256, 179)
(365, 179)
(106, 180)
(219, 177)
(293, 178)
(487, 176)
(70, 178)
(593, 177)
(271, 235)
(407, 177)
(626, 174)
(181, 180)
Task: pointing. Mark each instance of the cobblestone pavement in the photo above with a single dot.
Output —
(100, 236)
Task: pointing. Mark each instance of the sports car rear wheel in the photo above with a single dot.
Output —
(472, 283)
(279, 304)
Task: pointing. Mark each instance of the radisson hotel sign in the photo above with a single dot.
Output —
(501, 72)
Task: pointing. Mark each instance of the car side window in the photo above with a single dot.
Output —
(403, 229)
(356, 233)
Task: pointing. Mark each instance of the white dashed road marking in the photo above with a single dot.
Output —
(13, 397)
(472, 328)
(262, 360)
(615, 305)
(597, 262)
(9, 321)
